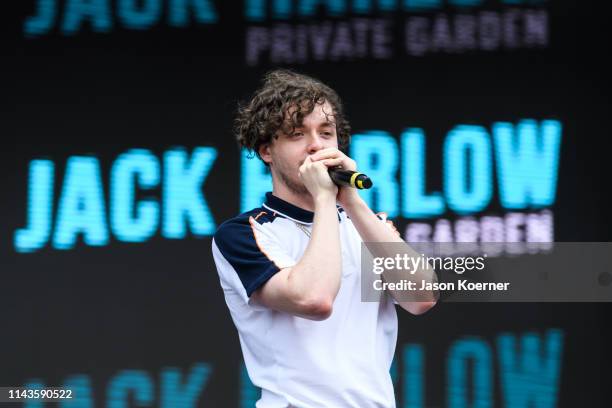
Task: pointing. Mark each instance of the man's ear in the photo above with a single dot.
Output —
(264, 153)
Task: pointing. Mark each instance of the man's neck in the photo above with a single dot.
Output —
(304, 201)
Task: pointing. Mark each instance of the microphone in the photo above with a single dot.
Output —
(350, 178)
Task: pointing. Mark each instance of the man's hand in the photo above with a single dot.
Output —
(308, 289)
(316, 178)
(332, 157)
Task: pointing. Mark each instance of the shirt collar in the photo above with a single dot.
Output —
(288, 210)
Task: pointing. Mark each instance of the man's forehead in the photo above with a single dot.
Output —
(322, 112)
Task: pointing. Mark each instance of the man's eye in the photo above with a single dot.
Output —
(296, 134)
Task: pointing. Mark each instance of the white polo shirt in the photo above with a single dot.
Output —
(342, 361)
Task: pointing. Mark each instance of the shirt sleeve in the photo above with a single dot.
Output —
(248, 250)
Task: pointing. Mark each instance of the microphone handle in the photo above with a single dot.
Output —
(350, 178)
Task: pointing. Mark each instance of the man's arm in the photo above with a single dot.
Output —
(309, 288)
(371, 229)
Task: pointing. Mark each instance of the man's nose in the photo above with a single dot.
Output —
(315, 144)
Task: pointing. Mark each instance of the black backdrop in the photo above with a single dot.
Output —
(103, 315)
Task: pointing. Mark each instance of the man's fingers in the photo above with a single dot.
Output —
(334, 157)
(332, 162)
(305, 164)
(328, 153)
(308, 164)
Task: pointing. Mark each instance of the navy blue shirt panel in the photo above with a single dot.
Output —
(236, 241)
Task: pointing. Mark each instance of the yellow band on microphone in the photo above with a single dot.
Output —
(353, 177)
(360, 184)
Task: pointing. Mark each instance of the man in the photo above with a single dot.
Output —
(290, 270)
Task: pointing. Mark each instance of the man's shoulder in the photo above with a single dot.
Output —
(243, 222)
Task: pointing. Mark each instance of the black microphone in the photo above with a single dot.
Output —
(350, 178)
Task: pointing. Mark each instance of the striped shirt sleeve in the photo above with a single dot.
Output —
(249, 251)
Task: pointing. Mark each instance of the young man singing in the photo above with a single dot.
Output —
(290, 270)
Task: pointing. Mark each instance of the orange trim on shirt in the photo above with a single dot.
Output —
(251, 221)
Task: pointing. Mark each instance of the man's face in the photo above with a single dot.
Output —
(286, 153)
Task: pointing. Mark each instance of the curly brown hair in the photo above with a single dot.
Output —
(268, 111)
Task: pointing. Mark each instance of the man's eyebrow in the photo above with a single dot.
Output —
(329, 124)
